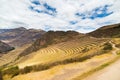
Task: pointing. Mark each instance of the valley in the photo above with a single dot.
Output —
(59, 55)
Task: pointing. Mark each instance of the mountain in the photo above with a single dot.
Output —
(5, 47)
(19, 36)
(4, 30)
(61, 48)
(67, 54)
(50, 38)
(107, 31)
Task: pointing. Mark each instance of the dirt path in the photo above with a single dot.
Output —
(110, 73)
(115, 49)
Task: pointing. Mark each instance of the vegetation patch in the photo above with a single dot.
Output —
(11, 71)
(107, 46)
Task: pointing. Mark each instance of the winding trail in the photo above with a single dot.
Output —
(115, 49)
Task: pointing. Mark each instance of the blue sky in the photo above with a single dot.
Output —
(80, 15)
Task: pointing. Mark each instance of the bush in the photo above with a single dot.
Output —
(27, 69)
(13, 71)
(107, 46)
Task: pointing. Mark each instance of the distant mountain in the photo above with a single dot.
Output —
(50, 38)
(4, 30)
(107, 31)
(5, 47)
(19, 36)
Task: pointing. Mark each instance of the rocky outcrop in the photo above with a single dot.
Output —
(4, 48)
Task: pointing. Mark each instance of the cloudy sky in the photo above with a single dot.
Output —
(80, 15)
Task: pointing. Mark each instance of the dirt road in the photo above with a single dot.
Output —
(109, 73)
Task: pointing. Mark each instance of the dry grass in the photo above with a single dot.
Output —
(64, 51)
(68, 71)
(12, 55)
(62, 54)
(102, 66)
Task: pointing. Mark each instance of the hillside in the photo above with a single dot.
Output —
(110, 31)
(62, 55)
(19, 36)
(11, 56)
(4, 48)
(68, 51)
(62, 58)
(50, 38)
(66, 60)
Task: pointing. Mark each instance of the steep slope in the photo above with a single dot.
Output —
(66, 45)
(5, 47)
(50, 38)
(65, 52)
(107, 31)
(19, 36)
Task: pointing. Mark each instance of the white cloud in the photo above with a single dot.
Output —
(16, 13)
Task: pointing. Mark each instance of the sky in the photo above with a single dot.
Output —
(79, 15)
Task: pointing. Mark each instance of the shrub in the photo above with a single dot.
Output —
(107, 46)
(27, 69)
(13, 71)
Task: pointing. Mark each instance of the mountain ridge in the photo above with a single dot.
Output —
(109, 31)
(54, 37)
(20, 36)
